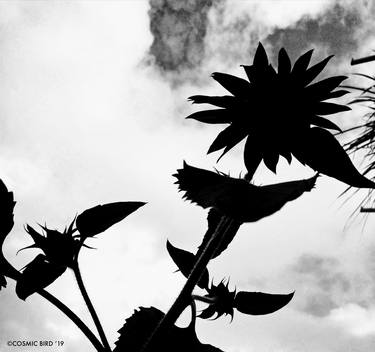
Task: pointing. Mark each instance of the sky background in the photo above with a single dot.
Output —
(93, 100)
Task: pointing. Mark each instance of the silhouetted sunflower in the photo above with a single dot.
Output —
(275, 111)
(7, 204)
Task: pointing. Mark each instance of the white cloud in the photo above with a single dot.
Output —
(84, 122)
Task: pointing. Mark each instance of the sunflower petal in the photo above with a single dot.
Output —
(238, 135)
(227, 138)
(271, 160)
(320, 89)
(235, 85)
(250, 72)
(301, 64)
(284, 64)
(337, 94)
(324, 108)
(312, 72)
(214, 116)
(252, 156)
(323, 122)
(287, 155)
(226, 101)
(260, 57)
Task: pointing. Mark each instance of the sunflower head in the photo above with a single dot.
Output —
(223, 301)
(273, 109)
(59, 247)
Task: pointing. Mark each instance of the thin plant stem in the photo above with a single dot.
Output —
(15, 275)
(203, 299)
(90, 306)
(74, 318)
(185, 296)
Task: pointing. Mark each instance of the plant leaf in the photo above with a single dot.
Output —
(38, 274)
(98, 219)
(320, 150)
(139, 327)
(258, 303)
(213, 220)
(236, 198)
(185, 262)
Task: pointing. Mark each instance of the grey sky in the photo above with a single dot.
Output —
(88, 116)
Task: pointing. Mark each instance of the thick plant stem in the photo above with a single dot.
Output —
(185, 296)
(74, 318)
(90, 306)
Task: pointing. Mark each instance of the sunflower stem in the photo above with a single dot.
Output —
(74, 318)
(95, 318)
(185, 296)
(204, 299)
(15, 275)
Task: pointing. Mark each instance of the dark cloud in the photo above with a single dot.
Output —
(178, 29)
(328, 284)
(335, 30)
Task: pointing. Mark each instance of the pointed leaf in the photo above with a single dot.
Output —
(258, 303)
(213, 116)
(324, 108)
(235, 85)
(38, 274)
(322, 122)
(229, 137)
(226, 101)
(98, 219)
(185, 262)
(320, 150)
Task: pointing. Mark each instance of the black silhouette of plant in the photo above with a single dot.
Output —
(275, 112)
(364, 139)
(280, 114)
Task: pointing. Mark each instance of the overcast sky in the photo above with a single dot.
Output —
(93, 100)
